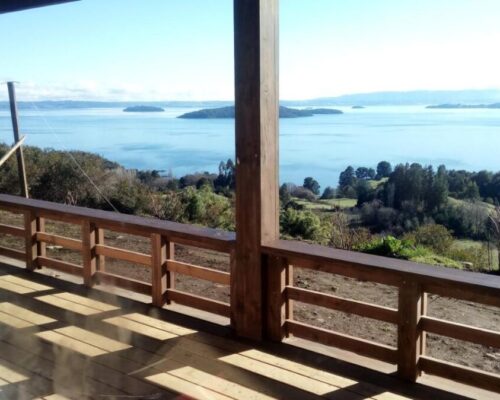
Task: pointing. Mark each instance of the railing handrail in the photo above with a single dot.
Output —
(215, 239)
(395, 267)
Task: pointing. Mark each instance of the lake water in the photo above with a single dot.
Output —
(320, 146)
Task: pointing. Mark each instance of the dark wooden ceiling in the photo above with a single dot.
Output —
(18, 5)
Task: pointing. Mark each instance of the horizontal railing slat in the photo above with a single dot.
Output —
(462, 374)
(345, 305)
(356, 345)
(125, 255)
(207, 238)
(124, 283)
(202, 303)
(11, 253)
(195, 271)
(482, 288)
(59, 265)
(11, 230)
(67, 243)
(467, 333)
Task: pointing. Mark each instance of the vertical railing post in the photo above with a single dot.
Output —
(170, 274)
(89, 257)
(101, 260)
(31, 244)
(411, 340)
(278, 307)
(158, 269)
(41, 246)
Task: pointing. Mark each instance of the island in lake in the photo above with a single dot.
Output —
(143, 109)
(465, 106)
(285, 112)
(358, 107)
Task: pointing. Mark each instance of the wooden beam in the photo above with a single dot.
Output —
(257, 200)
(12, 150)
(23, 182)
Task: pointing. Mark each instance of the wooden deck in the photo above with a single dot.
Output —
(61, 340)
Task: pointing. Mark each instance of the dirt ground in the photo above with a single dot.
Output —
(468, 354)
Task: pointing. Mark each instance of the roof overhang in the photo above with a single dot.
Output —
(7, 6)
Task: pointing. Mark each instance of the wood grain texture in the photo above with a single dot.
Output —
(11, 253)
(158, 273)
(213, 239)
(125, 255)
(360, 346)
(11, 230)
(67, 243)
(133, 285)
(345, 305)
(409, 330)
(256, 123)
(467, 333)
(31, 248)
(202, 303)
(59, 265)
(469, 376)
(207, 274)
(276, 299)
(89, 253)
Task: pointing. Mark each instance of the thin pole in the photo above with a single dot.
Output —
(23, 182)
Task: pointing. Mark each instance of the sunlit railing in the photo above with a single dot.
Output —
(93, 223)
(412, 282)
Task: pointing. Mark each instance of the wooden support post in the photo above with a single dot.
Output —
(89, 257)
(31, 244)
(158, 269)
(278, 308)
(257, 200)
(101, 260)
(41, 246)
(411, 340)
(170, 274)
(23, 182)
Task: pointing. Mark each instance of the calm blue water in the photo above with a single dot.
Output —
(319, 146)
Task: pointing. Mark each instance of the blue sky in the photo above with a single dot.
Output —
(183, 49)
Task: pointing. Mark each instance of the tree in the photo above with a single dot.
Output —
(384, 169)
(285, 195)
(347, 177)
(311, 184)
(328, 193)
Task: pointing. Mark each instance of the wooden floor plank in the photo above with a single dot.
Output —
(88, 302)
(217, 384)
(137, 327)
(14, 322)
(159, 324)
(36, 287)
(93, 339)
(186, 388)
(12, 287)
(287, 377)
(24, 314)
(71, 344)
(68, 305)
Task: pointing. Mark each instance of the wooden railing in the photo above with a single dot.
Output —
(411, 281)
(161, 259)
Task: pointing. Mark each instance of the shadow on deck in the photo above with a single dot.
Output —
(60, 340)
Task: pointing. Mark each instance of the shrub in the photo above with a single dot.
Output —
(432, 236)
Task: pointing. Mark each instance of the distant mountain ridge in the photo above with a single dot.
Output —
(416, 97)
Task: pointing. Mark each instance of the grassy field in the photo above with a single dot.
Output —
(461, 244)
(325, 205)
